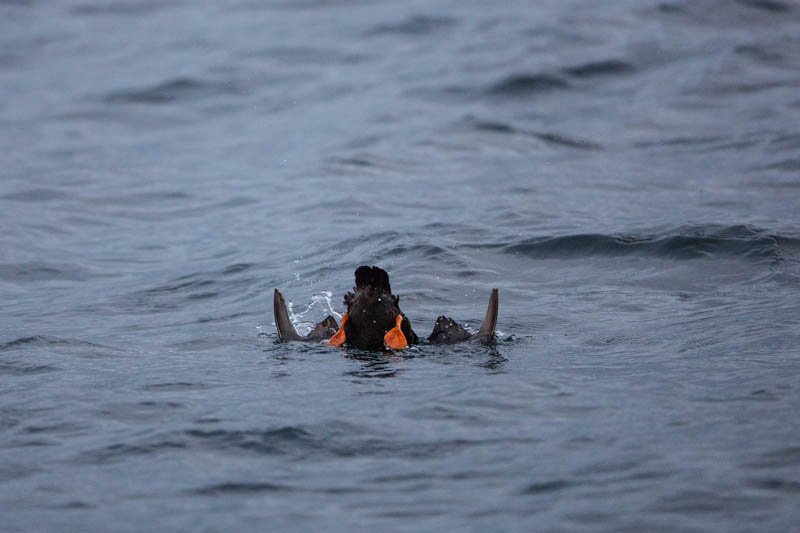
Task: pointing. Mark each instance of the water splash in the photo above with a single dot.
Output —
(321, 305)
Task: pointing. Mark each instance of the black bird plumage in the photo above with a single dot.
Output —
(372, 311)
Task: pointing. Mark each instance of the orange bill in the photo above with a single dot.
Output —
(394, 338)
(338, 337)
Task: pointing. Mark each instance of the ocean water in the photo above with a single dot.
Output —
(626, 173)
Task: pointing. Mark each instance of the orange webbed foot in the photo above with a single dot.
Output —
(394, 338)
(338, 337)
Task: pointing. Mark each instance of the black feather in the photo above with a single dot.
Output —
(374, 277)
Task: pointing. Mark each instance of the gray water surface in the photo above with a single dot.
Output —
(626, 173)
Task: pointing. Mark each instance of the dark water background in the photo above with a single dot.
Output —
(626, 173)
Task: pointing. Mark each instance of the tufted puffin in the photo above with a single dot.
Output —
(374, 321)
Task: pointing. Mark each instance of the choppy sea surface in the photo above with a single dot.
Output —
(626, 173)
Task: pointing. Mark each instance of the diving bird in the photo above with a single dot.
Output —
(374, 321)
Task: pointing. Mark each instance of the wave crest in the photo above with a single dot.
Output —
(682, 243)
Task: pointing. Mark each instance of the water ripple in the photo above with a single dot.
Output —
(521, 85)
(608, 67)
(415, 26)
(174, 90)
(684, 243)
(240, 488)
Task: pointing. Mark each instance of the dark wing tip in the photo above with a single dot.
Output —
(283, 324)
(486, 332)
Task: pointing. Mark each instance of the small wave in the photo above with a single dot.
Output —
(252, 487)
(308, 55)
(679, 142)
(37, 271)
(784, 142)
(548, 486)
(34, 341)
(758, 52)
(777, 485)
(72, 505)
(35, 195)
(198, 286)
(178, 386)
(767, 5)
(563, 140)
(669, 7)
(120, 8)
(342, 440)
(176, 89)
(370, 164)
(760, 395)
(494, 127)
(202, 343)
(780, 458)
(352, 243)
(599, 68)
(683, 243)
(139, 199)
(302, 4)
(421, 250)
(525, 84)
(774, 184)
(57, 428)
(239, 488)
(547, 137)
(224, 318)
(736, 86)
(198, 210)
(726, 13)
(236, 268)
(787, 165)
(415, 26)
(117, 452)
(184, 286)
(372, 366)
(695, 501)
(20, 368)
(15, 472)
(285, 440)
(23, 341)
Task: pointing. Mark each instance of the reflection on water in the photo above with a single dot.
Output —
(375, 368)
